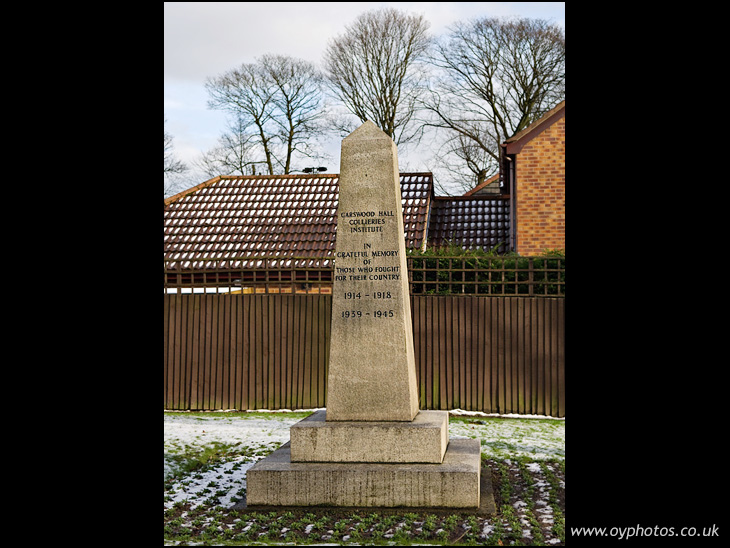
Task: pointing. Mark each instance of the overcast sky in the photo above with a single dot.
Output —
(205, 39)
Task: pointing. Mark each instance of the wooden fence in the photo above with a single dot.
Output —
(238, 351)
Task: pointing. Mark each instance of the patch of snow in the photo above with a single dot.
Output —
(515, 437)
(198, 488)
(457, 412)
(185, 432)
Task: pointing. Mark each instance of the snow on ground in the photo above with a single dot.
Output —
(225, 482)
(501, 436)
(247, 438)
(514, 436)
(185, 431)
(184, 434)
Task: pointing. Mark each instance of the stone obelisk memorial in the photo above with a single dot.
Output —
(372, 446)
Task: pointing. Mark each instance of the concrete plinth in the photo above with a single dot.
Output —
(423, 440)
(276, 481)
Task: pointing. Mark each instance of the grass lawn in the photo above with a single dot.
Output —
(207, 456)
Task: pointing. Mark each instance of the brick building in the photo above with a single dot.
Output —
(533, 173)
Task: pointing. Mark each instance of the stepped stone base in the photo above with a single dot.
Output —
(423, 440)
(454, 483)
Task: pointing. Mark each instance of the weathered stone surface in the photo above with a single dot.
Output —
(423, 440)
(455, 483)
(372, 372)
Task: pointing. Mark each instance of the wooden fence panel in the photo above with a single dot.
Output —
(169, 401)
(491, 354)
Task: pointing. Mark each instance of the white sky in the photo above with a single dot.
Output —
(205, 39)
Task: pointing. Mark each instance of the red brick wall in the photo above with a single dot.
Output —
(540, 203)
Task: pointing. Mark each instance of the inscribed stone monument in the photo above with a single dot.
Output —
(371, 447)
(372, 371)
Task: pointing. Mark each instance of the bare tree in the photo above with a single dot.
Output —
(298, 103)
(172, 164)
(237, 153)
(174, 169)
(463, 161)
(277, 103)
(498, 76)
(375, 68)
(246, 93)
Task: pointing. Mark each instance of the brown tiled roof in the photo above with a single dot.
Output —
(233, 221)
(473, 221)
(486, 182)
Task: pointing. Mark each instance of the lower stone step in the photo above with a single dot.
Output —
(454, 483)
